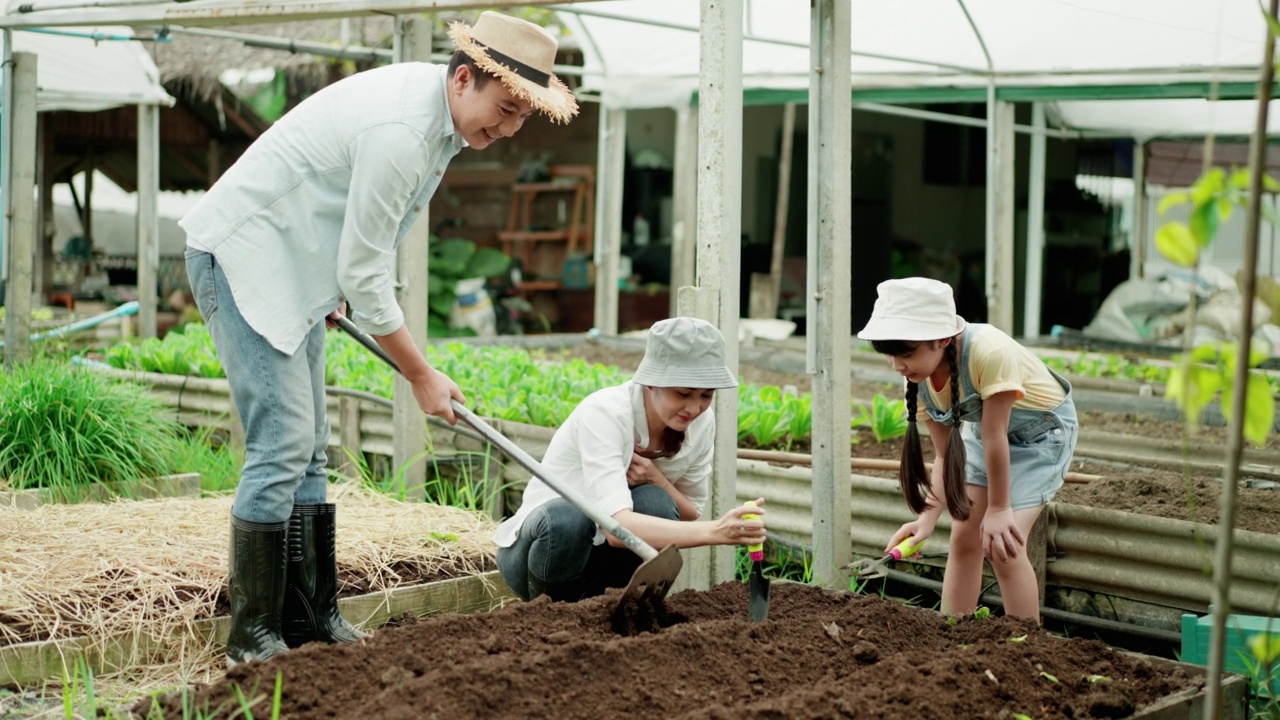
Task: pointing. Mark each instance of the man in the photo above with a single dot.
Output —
(308, 219)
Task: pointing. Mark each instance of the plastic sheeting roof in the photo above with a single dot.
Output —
(930, 44)
(1147, 119)
(85, 75)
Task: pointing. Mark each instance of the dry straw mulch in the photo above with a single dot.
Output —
(150, 569)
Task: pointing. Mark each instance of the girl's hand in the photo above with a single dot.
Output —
(642, 471)
(920, 528)
(1001, 538)
(732, 529)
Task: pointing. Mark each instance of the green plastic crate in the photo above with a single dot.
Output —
(1196, 632)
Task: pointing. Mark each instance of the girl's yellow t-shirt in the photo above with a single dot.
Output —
(998, 363)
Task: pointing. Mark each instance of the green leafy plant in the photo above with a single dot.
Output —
(887, 419)
(63, 429)
(1209, 371)
(1209, 368)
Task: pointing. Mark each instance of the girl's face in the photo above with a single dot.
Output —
(678, 407)
(920, 361)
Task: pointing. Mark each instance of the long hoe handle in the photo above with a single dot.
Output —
(517, 453)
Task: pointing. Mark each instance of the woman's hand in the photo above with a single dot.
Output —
(642, 471)
(920, 528)
(733, 529)
(1001, 538)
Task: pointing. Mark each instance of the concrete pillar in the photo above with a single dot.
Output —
(148, 218)
(608, 223)
(20, 227)
(409, 426)
(829, 292)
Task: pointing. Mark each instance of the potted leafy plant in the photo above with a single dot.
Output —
(456, 261)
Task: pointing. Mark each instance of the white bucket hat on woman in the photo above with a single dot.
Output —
(684, 352)
(520, 54)
(915, 309)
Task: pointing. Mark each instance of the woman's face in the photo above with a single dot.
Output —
(678, 407)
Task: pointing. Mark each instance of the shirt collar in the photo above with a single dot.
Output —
(638, 414)
(451, 131)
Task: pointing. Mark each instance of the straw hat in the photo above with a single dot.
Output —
(685, 352)
(915, 309)
(520, 54)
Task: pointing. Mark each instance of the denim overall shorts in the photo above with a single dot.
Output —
(1041, 442)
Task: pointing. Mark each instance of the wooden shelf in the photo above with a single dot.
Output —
(521, 240)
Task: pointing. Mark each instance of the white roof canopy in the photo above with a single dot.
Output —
(928, 44)
(87, 75)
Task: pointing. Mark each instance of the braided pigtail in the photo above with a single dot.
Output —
(912, 477)
(953, 473)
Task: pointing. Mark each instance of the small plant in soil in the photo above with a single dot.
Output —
(887, 419)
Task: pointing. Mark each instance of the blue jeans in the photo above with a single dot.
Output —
(554, 554)
(280, 399)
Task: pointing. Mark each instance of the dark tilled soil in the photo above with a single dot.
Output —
(821, 655)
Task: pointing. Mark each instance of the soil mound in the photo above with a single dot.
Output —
(821, 654)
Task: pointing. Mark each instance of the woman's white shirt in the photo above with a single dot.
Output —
(592, 451)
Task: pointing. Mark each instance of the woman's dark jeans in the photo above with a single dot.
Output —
(553, 555)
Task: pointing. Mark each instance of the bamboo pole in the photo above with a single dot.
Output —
(1221, 605)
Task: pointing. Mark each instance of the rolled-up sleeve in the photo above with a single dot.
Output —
(388, 161)
(605, 446)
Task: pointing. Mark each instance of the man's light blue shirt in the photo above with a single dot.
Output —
(314, 210)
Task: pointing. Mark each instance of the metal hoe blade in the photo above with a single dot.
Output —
(653, 579)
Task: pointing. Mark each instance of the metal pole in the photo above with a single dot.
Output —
(1001, 313)
(828, 333)
(684, 203)
(608, 225)
(1035, 225)
(148, 219)
(1138, 243)
(21, 198)
(409, 429)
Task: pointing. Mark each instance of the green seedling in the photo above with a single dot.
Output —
(1098, 678)
(982, 613)
(1049, 677)
(1018, 639)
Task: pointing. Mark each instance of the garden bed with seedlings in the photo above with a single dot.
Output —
(821, 654)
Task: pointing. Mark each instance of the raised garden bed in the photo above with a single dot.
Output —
(183, 485)
(820, 655)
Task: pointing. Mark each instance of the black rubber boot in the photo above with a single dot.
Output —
(255, 586)
(311, 593)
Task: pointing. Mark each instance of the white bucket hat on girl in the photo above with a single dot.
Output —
(915, 309)
(684, 352)
(520, 54)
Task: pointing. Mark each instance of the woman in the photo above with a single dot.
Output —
(640, 452)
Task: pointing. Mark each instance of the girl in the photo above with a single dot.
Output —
(641, 452)
(1003, 427)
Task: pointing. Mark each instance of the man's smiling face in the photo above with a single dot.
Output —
(487, 113)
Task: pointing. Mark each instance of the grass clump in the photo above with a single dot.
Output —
(61, 429)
